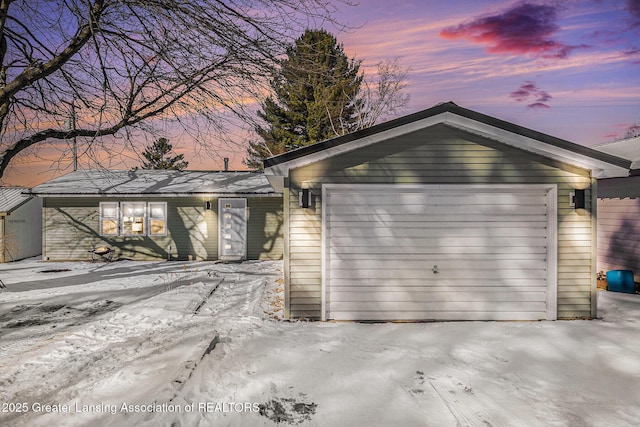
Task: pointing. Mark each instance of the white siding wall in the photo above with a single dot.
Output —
(438, 155)
(23, 231)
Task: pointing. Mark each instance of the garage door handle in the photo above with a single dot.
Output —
(435, 269)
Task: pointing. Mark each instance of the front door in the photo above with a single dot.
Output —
(232, 220)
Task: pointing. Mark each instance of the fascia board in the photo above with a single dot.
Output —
(598, 168)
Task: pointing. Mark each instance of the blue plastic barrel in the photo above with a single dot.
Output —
(621, 281)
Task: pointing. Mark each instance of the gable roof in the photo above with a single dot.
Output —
(11, 198)
(454, 116)
(151, 183)
(626, 148)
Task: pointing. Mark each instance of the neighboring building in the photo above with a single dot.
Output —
(157, 214)
(443, 214)
(619, 212)
(20, 224)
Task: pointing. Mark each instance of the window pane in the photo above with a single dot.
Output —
(158, 218)
(158, 226)
(108, 219)
(133, 222)
(109, 227)
(158, 210)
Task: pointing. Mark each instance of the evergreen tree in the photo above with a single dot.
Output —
(315, 97)
(156, 155)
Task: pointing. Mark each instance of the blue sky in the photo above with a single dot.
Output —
(567, 68)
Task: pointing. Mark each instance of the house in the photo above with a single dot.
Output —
(444, 214)
(20, 224)
(161, 214)
(619, 212)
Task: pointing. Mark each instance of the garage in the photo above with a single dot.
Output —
(444, 214)
(440, 252)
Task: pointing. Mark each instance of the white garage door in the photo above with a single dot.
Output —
(448, 252)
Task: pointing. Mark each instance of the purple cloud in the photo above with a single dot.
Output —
(523, 29)
(633, 6)
(528, 90)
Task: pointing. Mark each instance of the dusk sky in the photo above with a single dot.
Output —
(567, 68)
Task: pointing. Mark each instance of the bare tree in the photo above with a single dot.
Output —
(126, 64)
(384, 95)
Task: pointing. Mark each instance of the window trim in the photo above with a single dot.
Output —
(150, 218)
(103, 217)
(119, 218)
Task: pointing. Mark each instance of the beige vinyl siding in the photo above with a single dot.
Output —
(439, 155)
(619, 235)
(71, 229)
(265, 234)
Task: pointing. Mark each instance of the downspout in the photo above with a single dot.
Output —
(43, 230)
(2, 238)
(594, 248)
(287, 255)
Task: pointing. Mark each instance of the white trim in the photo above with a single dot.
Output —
(552, 227)
(323, 263)
(165, 218)
(221, 231)
(552, 252)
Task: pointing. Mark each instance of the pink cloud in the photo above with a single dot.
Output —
(523, 29)
(538, 105)
(528, 90)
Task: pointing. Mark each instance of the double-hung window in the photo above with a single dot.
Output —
(133, 218)
(108, 218)
(157, 218)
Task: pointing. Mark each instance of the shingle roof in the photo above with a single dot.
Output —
(626, 148)
(154, 182)
(440, 109)
(11, 198)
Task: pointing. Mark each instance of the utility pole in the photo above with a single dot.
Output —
(75, 143)
(70, 125)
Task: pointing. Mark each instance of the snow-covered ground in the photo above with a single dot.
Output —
(200, 344)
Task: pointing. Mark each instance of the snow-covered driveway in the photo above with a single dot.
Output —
(207, 351)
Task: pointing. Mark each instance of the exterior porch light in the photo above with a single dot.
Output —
(306, 198)
(577, 199)
(207, 205)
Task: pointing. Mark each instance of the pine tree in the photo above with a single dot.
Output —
(156, 157)
(315, 97)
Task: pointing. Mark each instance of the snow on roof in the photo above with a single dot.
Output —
(626, 148)
(154, 182)
(12, 198)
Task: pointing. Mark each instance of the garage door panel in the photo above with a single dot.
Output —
(406, 198)
(429, 277)
(426, 265)
(450, 241)
(391, 218)
(444, 251)
(430, 223)
(422, 315)
(441, 232)
(355, 211)
(461, 306)
(365, 285)
(382, 243)
(421, 296)
(441, 258)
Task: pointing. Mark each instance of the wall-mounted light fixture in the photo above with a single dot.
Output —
(577, 199)
(207, 205)
(306, 198)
